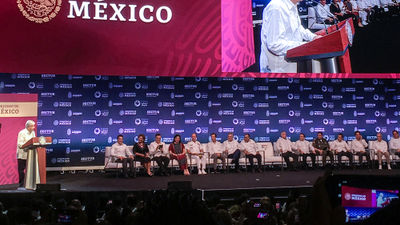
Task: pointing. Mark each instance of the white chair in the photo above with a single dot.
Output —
(270, 157)
(278, 153)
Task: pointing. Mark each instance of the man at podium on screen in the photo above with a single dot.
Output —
(22, 154)
(281, 30)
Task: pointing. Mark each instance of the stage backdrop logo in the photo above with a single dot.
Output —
(39, 11)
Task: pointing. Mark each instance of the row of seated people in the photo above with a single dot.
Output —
(290, 151)
(339, 147)
(158, 152)
(361, 11)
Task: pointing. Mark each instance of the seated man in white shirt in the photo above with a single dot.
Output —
(341, 148)
(196, 152)
(250, 149)
(215, 149)
(305, 150)
(394, 143)
(284, 145)
(120, 151)
(281, 30)
(358, 146)
(323, 13)
(231, 148)
(159, 153)
(381, 148)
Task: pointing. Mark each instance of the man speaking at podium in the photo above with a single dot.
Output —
(281, 31)
(22, 154)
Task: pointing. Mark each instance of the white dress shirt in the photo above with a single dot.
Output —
(362, 4)
(342, 8)
(232, 146)
(214, 147)
(323, 13)
(380, 145)
(305, 146)
(394, 144)
(284, 144)
(250, 146)
(118, 150)
(340, 146)
(358, 146)
(156, 152)
(281, 30)
(194, 147)
(23, 137)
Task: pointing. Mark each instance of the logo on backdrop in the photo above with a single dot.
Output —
(39, 11)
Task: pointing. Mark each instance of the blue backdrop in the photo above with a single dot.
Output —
(84, 114)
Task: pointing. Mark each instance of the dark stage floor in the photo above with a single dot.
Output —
(108, 182)
(268, 179)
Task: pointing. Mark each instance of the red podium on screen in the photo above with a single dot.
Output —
(37, 144)
(328, 54)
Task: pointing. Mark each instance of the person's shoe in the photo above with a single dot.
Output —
(204, 172)
(259, 170)
(126, 176)
(380, 167)
(389, 168)
(364, 23)
(200, 172)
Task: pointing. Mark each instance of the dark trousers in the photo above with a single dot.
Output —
(360, 157)
(397, 153)
(162, 162)
(325, 154)
(287, 156)
(311, 155)
(125, 162)
(235, 158)
(347, 154)
(251, 160)
(21, 171)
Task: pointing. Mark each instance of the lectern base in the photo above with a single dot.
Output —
(326, 65)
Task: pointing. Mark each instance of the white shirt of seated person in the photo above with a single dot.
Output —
(284, 144)
(194, 146)
(362, 4)
(380, 145)
(214, 146)
(248, 146)
(155, 148)
(281, 30)
(358, 144)
(394, 143)
(339, 145)
(230, 145)
(323, 12)
(303, 146)
(342, 7)
(120, 150)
